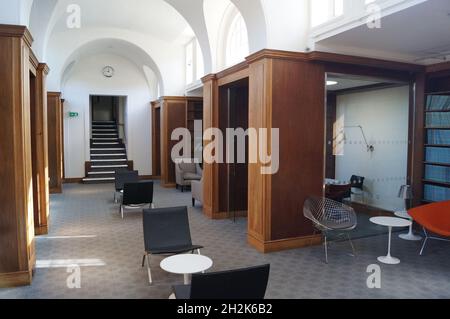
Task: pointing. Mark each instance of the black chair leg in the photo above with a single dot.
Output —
(143, 261)
(182, 189)
(193, 202)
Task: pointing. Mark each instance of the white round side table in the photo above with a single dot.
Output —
(186, 265)
(409, 236)
(390, 222)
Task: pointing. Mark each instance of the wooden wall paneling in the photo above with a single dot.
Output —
(54, 128)
(173, 110)
(298, 110)
(417, 149)
(259, 186)
(156, 138)
(223, 176)
(63, 160)
(210, 171)
(34, 155)
(17, 247)
(40, 158)
(330, 160)
(288, 94)
(238, 181)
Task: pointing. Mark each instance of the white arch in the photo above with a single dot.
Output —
(118, 47)
(255, 18)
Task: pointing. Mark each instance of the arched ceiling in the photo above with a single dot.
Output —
(169, 22)
(118, 47)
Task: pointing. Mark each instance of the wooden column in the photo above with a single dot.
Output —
(173, 116)
(210, 171)
(286, 92)
(40, 156)
(17, 248)
(156, 137)
(54, 126)
(417, 139)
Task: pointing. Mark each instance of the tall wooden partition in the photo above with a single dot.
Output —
(156, 139)
(55, 135)
(173, 116)
(286, 93)
(39, 144)
(17, 248)
(211, 119)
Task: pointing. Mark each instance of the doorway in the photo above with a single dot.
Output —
(233, 174)
(113, 109)
(367, 146)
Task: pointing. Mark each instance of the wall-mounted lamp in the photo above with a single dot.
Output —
(370, 147)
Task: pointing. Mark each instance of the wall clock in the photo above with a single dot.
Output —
(108, 71)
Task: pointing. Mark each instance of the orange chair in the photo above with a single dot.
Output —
(434, 218)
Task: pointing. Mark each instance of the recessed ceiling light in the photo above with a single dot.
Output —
(330, 83)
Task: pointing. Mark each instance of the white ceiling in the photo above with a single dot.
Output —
(421, 32)
(154, 17)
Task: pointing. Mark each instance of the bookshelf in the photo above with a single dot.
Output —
(436, 181)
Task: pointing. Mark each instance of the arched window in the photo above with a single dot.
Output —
(237, 47)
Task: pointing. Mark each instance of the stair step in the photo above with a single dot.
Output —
(108, 149)
(111, 143)
(99, 155)
(109, 166)
(105, 134)
(102, 173)
(105, 138)
(108, 160)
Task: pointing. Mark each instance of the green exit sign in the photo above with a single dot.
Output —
(73, 114)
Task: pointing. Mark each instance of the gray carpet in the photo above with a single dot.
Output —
(86, 228)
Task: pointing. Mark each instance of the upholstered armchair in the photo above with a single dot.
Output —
(186, 173)
(197, 191)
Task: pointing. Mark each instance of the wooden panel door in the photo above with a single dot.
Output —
(54, 125)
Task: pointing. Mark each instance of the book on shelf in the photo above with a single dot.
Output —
(438, 103)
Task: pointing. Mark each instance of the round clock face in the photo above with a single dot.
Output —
(108, 71)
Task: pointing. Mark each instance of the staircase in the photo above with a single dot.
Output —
(108, 154)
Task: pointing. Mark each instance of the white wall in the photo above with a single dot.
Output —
(383, 114)
(86, 80)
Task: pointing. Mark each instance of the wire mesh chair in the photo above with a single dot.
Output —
(330, 216)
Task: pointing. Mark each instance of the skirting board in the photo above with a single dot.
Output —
(41, 230)
(15, 279)
(72, 180)
(56, 190)
(284, 244)
(169, 185)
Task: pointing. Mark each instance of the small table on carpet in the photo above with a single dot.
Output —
(409, 236)
(390, 222)
(186, 265)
